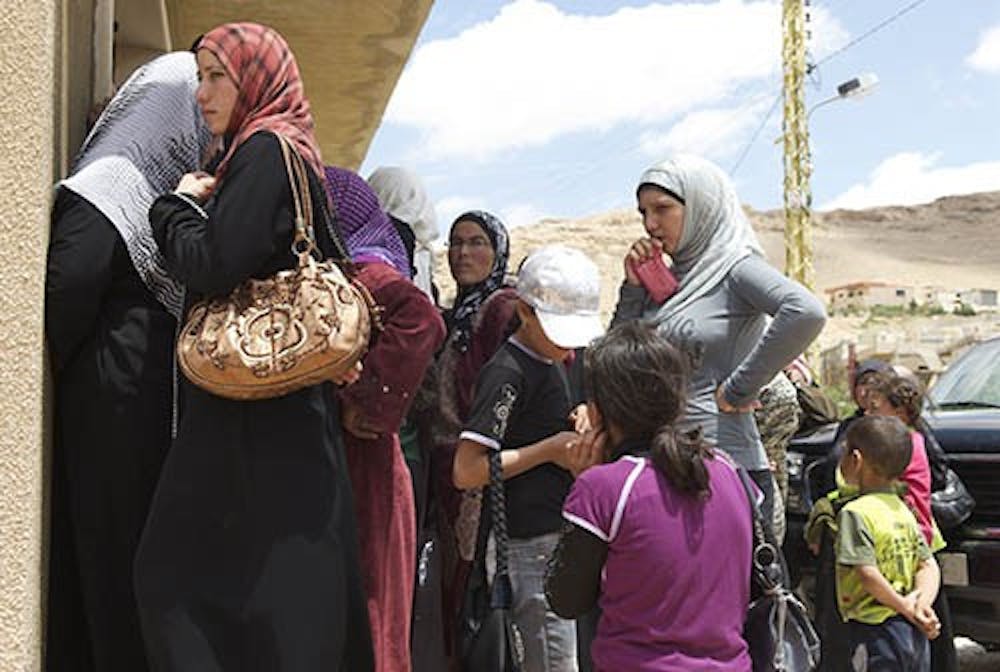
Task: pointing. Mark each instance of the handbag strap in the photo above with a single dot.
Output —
(766, 563)
(501, 594)
(304, 243)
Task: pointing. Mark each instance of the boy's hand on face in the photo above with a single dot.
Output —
(580, 451)
(580, 419)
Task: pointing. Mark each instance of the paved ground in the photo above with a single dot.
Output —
(974, 658)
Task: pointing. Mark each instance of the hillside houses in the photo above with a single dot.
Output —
(864, 295)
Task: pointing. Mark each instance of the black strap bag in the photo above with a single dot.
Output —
(953, 504)
(491, 642)
(778, 630)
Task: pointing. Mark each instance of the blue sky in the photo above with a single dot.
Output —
(552, 108)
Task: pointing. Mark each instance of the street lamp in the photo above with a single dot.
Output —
(852, 89)
(798, 174)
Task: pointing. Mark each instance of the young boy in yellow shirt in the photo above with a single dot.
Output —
(887, 578)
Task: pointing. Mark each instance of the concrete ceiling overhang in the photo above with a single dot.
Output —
(350, 54)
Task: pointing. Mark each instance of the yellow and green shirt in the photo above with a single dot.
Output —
(876, 529)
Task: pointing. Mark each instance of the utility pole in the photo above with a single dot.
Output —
(798, 169)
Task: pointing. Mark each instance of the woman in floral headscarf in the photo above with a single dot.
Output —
(479, 321)
(373, 408)
(249, 556)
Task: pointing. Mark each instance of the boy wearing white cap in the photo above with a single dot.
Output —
(525, 407)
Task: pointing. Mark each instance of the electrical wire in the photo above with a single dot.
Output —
(756, 134)
(811, 68)
(868, 33)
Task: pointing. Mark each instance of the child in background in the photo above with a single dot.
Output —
(523, 407)
(887, 578)
(903, 398)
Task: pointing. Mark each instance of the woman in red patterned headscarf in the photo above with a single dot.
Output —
(249, 559)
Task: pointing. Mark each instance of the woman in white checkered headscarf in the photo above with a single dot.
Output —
(110, 317)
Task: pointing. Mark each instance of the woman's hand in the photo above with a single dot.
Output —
(355, 423)
(349, 376)
(726, 407)
(198, 184)
(641, 250)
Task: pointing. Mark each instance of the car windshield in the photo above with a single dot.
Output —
(972, 380)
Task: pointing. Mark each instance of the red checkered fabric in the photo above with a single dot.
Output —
(271, 95)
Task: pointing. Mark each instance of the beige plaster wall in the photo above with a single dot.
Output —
(27, 88)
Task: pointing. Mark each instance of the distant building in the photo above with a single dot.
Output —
(979, 299)
(868, 294)
(863, 295)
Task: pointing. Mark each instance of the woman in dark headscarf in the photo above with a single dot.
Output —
(373, 408)
(249, 559)
(478, 323)
(110, 319)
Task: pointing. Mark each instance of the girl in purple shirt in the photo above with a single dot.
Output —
(660, 536)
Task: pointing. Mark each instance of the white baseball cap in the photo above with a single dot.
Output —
(564, 288)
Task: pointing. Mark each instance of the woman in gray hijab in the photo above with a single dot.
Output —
(736, 317)
(110, 320)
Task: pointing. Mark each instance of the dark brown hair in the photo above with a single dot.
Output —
(638, 381)
(905, 394)
(884, 441)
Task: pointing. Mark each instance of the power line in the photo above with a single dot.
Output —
(812, 67)
(868, 33)
(756, 134)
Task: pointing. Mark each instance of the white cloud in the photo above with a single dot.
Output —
(716, 133)
(450, 207)
(908, 178)
(986, 57)
(534, 72)
(520, 214)
(513, 215)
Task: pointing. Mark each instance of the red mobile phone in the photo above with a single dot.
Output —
(658, 280)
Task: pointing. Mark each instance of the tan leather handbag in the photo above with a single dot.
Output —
(270, 337)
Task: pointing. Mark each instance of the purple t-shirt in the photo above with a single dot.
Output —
(676, 584)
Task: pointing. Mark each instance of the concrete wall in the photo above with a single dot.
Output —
(28, 89)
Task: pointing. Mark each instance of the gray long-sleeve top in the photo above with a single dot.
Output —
(728, 341)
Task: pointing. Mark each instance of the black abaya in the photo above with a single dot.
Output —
(249, 559)
(111, 346)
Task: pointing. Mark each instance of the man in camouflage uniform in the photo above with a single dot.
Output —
(777, 420)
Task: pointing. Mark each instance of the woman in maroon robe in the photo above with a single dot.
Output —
(375, 406)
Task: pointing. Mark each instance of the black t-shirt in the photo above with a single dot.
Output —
(522, 399)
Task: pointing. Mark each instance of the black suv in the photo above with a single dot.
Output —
(963, 411)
